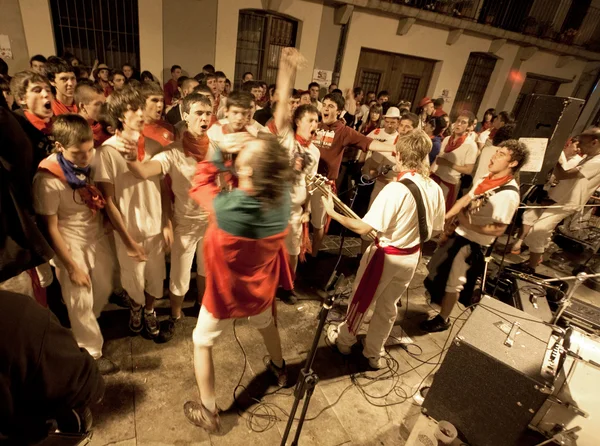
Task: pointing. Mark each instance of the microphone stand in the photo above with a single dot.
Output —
(308, 379)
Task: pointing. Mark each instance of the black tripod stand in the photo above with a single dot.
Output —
(308, 379)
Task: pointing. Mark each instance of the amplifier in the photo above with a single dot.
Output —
(492, 380)
(551, 117)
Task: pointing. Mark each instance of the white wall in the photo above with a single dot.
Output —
(544, 63)
(329, 37)
(151, 36)
(189, 29)
(378, 32)
(506, 56)
(309, 13)
(12, 25)
(37, 24)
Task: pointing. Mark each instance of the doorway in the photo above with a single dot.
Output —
(404, 77)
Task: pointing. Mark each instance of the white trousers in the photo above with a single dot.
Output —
(105, 275)
(293, 239)
(209, 328)
(81, 306)
(147, 276)
(458, 271)
(397, 273)
(188, 240)
(539, 237)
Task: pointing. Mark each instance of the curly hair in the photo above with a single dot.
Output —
(271, 171)
(518, 152)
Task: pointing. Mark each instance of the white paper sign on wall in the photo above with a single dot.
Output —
(323, 77)
(5, 49)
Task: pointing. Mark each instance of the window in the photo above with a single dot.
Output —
(369, 80)
(535, 84)
(261, 37)
(409, 88)
(106, 30)
(473, 84)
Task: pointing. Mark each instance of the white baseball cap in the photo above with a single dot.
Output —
(393, 112)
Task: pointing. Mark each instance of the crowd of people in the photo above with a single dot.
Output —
(107, 174)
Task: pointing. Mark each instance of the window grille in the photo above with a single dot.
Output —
(261, 37)
(409, 88)
(369, 80)
(106, 30)
(473, 84)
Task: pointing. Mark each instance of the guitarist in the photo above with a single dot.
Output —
(455, 266)
(405, 214)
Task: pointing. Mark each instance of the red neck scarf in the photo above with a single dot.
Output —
(141, 148)
(39, 123)
(454, 143)
(195, 147)
(60, 109)
(404, 172)
(160, 131)
(303, 142)
(489, 183)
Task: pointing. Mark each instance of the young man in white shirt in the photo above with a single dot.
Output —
(457, 157)
(134, 207)
(239, 109)
(389, 264)
(456, 265)
(70, 206)
(179, 160)
(575, 187)
(296, 130)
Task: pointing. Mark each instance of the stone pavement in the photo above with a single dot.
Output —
(351, 404)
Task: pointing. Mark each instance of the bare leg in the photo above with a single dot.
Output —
(149, 302)
(201, 285)
(273, 343)
(523, 231)
(364, 244)
(318, 235)
(448, 302)
(534, 259)
(176, 305)
(204, 370)
(293, 262)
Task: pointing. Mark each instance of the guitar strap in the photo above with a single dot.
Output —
(421, 214)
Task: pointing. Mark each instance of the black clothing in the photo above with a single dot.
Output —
(42, 372)
(263, 115)
(22, 245)
(174, 115)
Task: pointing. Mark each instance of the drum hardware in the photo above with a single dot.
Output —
(565, 437)
(579, 279)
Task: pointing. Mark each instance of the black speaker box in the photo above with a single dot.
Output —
(552, 117)
(490, 391)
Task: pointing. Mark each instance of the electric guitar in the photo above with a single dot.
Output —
(319, 182)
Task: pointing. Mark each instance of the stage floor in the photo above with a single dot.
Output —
(351, 405)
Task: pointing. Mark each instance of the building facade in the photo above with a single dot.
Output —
(476, 54)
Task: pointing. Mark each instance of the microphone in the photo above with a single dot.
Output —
(383, 170)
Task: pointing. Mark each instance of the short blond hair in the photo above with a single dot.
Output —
(412, 149)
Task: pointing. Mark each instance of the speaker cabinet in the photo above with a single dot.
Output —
(543, 116)
(490, 391)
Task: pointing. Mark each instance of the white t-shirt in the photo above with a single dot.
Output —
(181, 169)
(76, 222)
(394, 216)
(298, 191)
(138, 200)
(386, 138)
(499, 209)
(577, 191)
(484, 161)
(569, 164)
(483, 136)
(465, 154)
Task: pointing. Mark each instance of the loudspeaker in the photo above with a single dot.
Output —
(489, 390)
(551, 117)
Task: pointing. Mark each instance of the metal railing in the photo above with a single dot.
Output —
(572, 22)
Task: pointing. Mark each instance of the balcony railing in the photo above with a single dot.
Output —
(572, 22)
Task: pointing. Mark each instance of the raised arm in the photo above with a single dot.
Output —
(288, 64)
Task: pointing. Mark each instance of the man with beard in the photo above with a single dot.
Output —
(179, 161)
(62, 77)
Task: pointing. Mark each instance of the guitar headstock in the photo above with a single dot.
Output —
(315, 181)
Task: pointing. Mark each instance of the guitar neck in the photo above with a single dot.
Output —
(345, 210)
